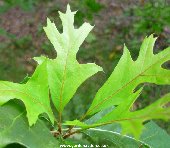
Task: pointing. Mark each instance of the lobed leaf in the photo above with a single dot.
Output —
(128, 74)
(65, 74)
(120, 90)
(151, 136)
(132, 122)
(34, 94)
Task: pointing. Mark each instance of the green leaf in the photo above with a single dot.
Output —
(154, 136)
(116, 139)
(14, 128)
(132, 122)
(76, 122)
(128, 74)
(65, 74)
(34, 94)
(99, 118)
(106, 133)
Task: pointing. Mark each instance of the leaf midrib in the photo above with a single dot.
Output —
(64, 73)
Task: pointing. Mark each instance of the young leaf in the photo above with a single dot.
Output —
(34, 94)
(128, 74)
(109, 132)
(97, 119)
(150, 136)
(14, 128)
(132, 122)
(120, 87)
(65, 74)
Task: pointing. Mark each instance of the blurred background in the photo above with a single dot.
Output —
(116, 22)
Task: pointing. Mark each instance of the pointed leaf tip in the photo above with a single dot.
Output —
(68, 8)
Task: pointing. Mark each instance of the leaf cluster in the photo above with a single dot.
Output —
(55, 81)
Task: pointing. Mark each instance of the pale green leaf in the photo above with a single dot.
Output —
(128, 74)
(14, 128)
(152, 135)
(132, 121)
(108, 133)
(65, 74)
(34, 94)
(101, 118)
(120, 90)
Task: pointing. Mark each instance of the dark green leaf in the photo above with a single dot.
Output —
(14, 128)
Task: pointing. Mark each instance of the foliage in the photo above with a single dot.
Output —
(14, 128)
(142, 19)
(88, 8)
(9, 60)
(58, 79)
(149, 137)
(151, 18)
(23, 4)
